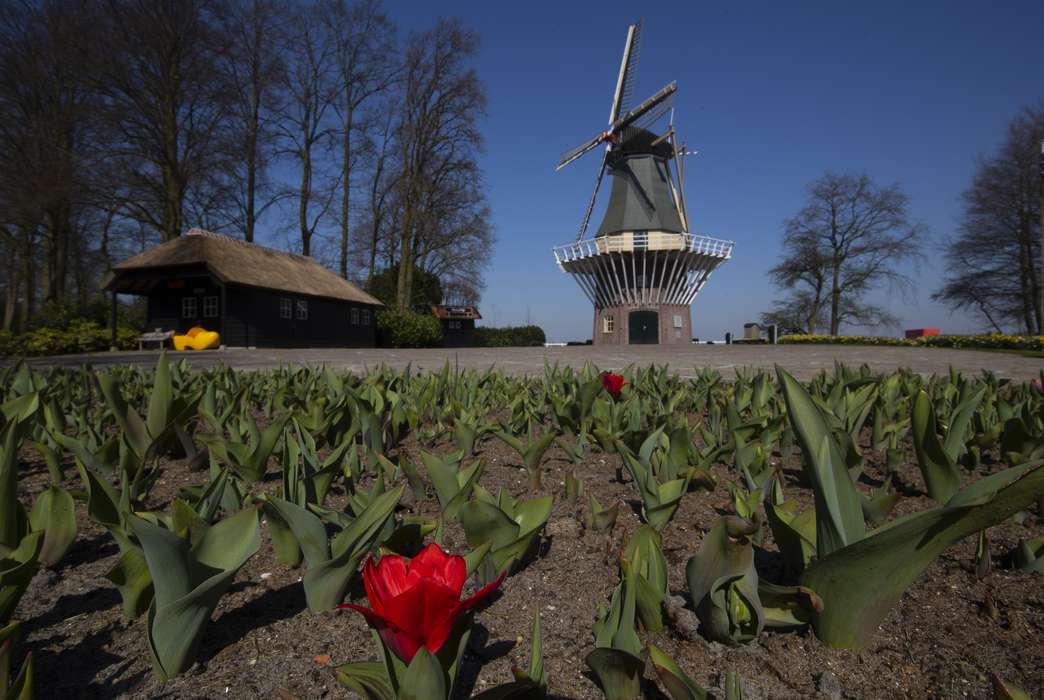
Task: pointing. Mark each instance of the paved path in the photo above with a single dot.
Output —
(803, 361)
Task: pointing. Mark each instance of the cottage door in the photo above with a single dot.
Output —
(643, 328)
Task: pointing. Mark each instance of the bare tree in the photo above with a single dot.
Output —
(379, 221)
(156, 64)
(993, 263)
(850, 238)
(304, 122)
(43, 102)
(253, 67)
(438, 135)
(366, 66)
(799, 312)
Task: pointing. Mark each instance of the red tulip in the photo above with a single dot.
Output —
(613, 383)
(416, 602)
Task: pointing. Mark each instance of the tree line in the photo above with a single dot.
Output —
(315, 123)
(853, 237)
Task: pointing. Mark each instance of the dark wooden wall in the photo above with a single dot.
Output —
(463, 337)
(253, 319)
(164, 304)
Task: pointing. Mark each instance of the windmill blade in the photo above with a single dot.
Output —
(644, 108)
(594, 196)
(628, 68)
(655, 113)
(571, 155)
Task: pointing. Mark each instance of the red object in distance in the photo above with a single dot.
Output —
(921, 332)
(613, 383)
(416, 602)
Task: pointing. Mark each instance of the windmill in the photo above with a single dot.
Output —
(642, 268)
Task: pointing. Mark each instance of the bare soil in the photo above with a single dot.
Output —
(939, 642)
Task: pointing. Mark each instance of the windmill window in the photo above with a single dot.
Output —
(677, 321)
(354, 316)
(302, 310)
(188, 307)
(607, 324)
(210, 307)
(286, 308)
(366, 317)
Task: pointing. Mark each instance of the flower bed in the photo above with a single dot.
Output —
(986, 341)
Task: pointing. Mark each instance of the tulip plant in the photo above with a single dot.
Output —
(326, 463)
(859, 576)
(331, 562)
(510, 527)
(420, 624)
(189, 579)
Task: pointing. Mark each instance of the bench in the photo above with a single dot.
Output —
(157, 336)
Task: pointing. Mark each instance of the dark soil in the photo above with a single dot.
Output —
(939, 642)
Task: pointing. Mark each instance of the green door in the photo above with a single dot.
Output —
(643, 328)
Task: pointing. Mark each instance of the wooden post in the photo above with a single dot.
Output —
(112, 318)
(221, 318)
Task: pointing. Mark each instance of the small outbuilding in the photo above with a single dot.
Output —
(252, 295)
(458, 324)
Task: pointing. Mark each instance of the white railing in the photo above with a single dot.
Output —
(639, 241)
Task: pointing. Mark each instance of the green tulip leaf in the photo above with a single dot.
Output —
(839, 518)
(678, 684)
(188, 582)
(367, 679)
(17, 568)
(939, 470)
(54, 513)
(860, 584)
(619, 673)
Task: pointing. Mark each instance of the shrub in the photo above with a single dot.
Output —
(509, 336)
(406, 329)
(79, 336)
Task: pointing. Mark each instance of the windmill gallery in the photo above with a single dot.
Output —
(643, 268)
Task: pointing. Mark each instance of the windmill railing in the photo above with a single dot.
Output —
(639, 241)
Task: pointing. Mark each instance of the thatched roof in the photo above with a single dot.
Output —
(233, 261)
(455, 312)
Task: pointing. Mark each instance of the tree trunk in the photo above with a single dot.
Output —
(346, 185)
(306, 195)
(11, 293)
(835, 298)
(29, 303)
(251, 185)
(172, 189)
(373, 249)
(403, 288)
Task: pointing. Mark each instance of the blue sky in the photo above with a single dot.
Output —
(771, 94)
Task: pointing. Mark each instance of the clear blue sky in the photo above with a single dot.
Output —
(771, 94)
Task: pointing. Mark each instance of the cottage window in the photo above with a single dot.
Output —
(607, 324)
(366, 317)
(188, 307)
(454, 325)
(286, 308)
(210, 307)
(355, 316)
(302, 310)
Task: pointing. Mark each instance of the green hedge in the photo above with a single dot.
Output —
(78, 336)
(985, 341)
(406, 329)
(509, 336)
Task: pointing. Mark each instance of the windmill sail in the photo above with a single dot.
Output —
(628, 68)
